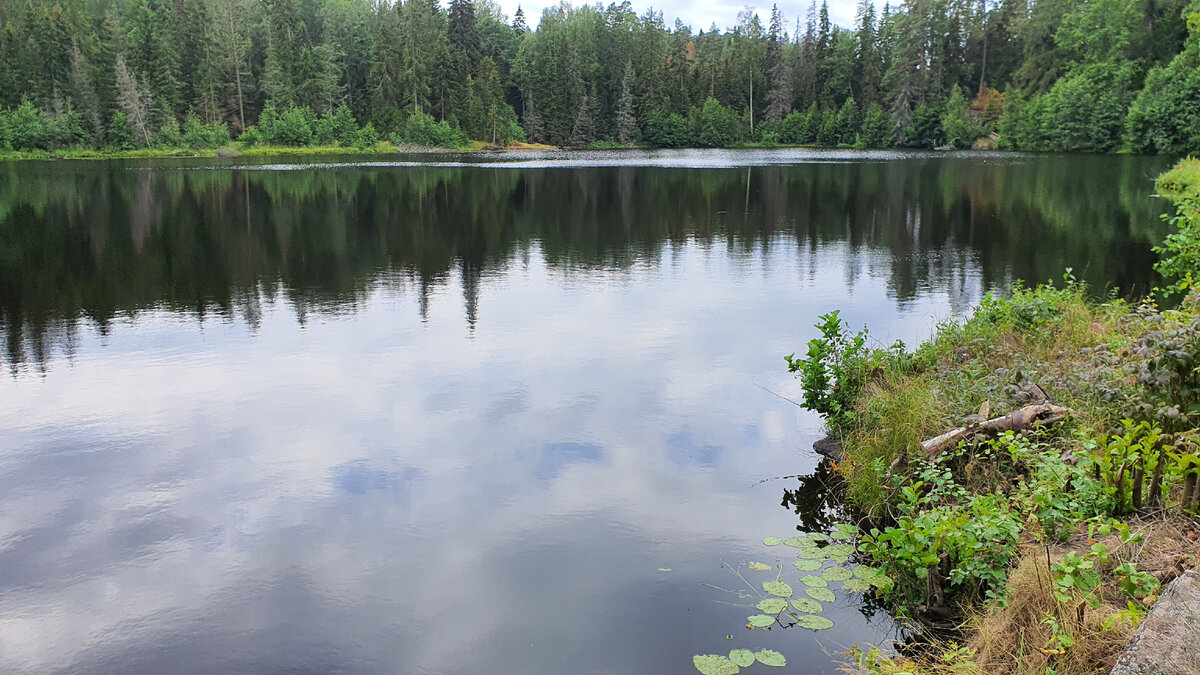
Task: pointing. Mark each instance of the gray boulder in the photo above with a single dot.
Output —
(1168, 641)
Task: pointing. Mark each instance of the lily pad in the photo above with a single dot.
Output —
(759, 566)
(810, 553)
(807, 565)
(813, 580)
(836, 574)
(838, 534)
(715, 664)
(797, 542)
(778, 588)
(864, 571)
(855, 585)
(770, 657)
(807, 605)
(760, 620)
(821, 594)
(772, 605)
(839, 549)
(817, 536)
(742, 657)
(813, 622)
(845, 527)
(772, 541)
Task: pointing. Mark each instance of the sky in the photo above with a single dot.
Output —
(701, 15)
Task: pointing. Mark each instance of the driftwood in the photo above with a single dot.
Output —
(1017, 420)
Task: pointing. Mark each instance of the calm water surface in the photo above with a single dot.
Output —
(453, 417)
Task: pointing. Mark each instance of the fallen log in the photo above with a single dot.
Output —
(1017, 420)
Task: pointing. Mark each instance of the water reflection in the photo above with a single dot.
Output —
(103, 241)
(454, 420)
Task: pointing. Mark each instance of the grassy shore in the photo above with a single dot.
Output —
(236, 149)
(1040, 550)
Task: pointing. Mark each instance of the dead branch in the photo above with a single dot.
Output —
(1017, 420)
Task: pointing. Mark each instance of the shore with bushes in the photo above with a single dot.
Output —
(1030, 476)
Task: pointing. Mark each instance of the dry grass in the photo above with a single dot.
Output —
(1012, 639)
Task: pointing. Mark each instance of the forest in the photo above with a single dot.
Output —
(1041, 75)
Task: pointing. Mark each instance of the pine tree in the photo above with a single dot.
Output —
(779, 80)
(133, 101)
(626, 118)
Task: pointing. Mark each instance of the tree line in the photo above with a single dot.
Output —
(1054, 75)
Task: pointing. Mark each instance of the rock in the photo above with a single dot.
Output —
(827, 447)
(1165, 643)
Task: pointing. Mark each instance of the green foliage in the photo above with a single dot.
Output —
(197, 135)
(713, 125)
(29, 128)
(876, 128)
(958, 127)
(421, 129)
(836, 366)
(119, 135)
(946, 539)
(337, 127)
(667, 130)
(924, 129)
(1179, 254)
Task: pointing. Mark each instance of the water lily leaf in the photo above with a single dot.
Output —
(715, 664)
(845, 527)
(778, 588)
(760, 620)
(817, 536)
(839, 549)
(797, 542)
(856, 585)
(742, 657)
(813, 622)
(837, 534)
(770, 657)
(810, 553)
(772, 541)
(813, 580)
(807, 606)
(772, 605)
(759, 566)
(807, 565)
(836, 574)
(822, 594)
(864, 571)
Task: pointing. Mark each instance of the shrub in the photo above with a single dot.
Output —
(876, 128)
(420, 129)
(337, 127)
(119, 135)
(667, 130)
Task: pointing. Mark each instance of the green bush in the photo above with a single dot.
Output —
(713, 125)
(197, 135)
(119, 135)
(800, 128)
(958, 128)
(876, 128)
(924, 129)
(667, 130)
(420, 129)
(337, 127)
(366, 138)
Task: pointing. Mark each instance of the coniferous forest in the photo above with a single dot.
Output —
(1046, 75)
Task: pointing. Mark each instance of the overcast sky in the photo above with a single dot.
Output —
(701, 15)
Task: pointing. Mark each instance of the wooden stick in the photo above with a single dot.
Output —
(1017, 420)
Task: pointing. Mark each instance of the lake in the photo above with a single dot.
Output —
(469, 413)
